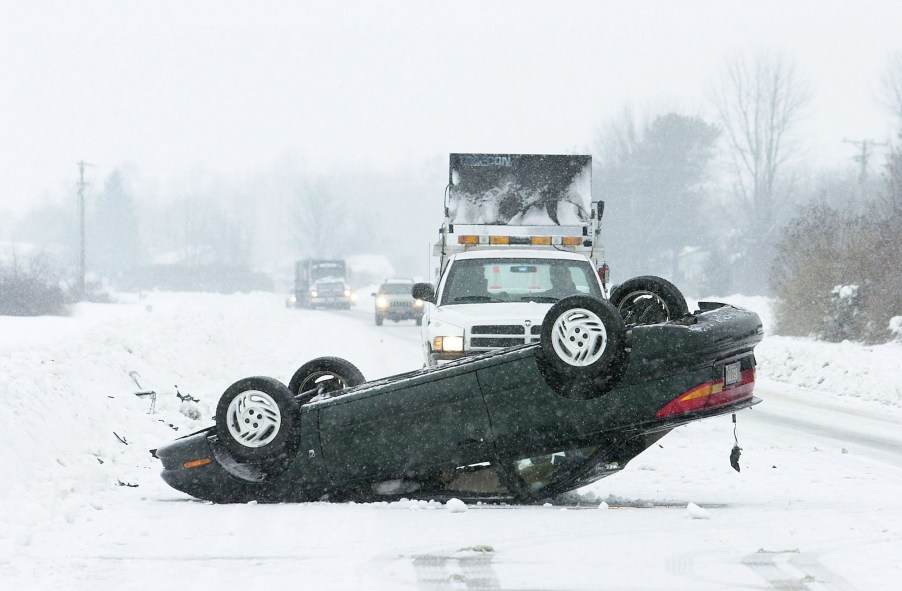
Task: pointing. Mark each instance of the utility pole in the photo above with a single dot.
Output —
(865, 146)
(81, 232)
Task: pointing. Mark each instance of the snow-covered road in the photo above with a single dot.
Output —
(817, 505)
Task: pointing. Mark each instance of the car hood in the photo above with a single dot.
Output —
(493, 313)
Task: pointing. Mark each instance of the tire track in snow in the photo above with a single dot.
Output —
(768, 565)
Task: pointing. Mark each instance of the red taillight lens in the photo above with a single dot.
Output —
(709, 395)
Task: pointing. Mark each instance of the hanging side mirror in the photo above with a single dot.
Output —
(423, 291)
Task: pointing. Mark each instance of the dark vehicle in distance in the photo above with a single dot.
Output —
(393, 301)
(607, 379)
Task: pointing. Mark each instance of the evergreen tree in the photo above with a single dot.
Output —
(113, 237)
(654, 182)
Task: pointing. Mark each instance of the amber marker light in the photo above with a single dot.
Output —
(197, 463)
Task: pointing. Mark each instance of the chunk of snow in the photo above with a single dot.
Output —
(695, 512)
(456, 506)
(895, 327)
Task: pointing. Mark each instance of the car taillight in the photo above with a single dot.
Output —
(710, 394)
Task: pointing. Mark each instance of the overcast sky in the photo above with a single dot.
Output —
(172, 86)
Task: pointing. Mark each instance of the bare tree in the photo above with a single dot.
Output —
(892, 88)
(321, 220)
(760, 99)
(891, 196)
(892, 100)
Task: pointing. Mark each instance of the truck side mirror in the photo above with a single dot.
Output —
(423, 291)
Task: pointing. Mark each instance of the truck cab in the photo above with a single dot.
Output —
(321, 283)
(496, 298)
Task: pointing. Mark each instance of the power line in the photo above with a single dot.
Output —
(866, 147)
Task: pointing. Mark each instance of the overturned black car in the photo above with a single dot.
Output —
(606, 380)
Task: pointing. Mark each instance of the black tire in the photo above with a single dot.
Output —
(419, 320)
(583, 337)
(258, 420)
(648, 300)
(323, 375)
(378, 320)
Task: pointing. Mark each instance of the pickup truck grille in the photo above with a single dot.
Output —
(499, 336)
(498, 329)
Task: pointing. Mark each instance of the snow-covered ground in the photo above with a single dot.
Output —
(817, 505)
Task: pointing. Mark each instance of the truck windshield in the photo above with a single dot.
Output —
(476, 281)
(327, 271)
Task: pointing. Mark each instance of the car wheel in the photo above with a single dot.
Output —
(378, 320)
(323, 375)
(648, 300)
(257, 419)
(583, 337)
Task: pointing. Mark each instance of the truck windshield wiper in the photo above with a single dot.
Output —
(533, 298)
(475, 298)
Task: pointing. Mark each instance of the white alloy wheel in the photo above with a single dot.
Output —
(579, 337)
(253, 418)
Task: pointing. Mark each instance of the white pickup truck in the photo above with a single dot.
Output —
(520, 233)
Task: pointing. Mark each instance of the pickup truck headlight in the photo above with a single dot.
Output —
(418, 303)
(382, 302)
(448, 344)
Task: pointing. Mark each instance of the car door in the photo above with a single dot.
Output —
(406, 428)
(529, 417)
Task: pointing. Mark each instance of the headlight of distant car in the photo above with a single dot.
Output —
(448, 344)
(347, 293)
(292, 299)
(418, 303)
(381, 302)
(313, 293)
